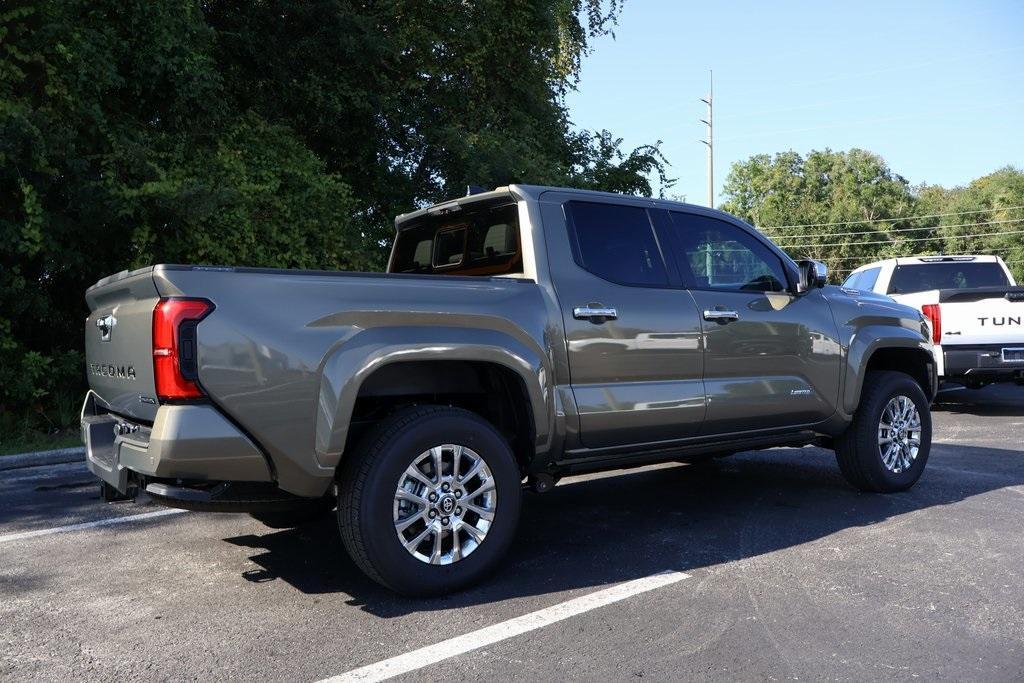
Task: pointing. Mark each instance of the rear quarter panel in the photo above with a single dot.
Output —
(285, 352)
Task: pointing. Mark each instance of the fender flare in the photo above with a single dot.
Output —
(864, 344)
(348, 365)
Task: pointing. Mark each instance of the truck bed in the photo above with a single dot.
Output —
(262, 351)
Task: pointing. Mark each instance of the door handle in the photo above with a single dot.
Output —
(721, 316)
(595, 314)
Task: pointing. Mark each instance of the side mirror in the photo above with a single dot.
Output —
(812, 274)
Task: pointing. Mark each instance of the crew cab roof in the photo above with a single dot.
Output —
(941, 258)
(495, 195)
(534, 192)
(919, 260)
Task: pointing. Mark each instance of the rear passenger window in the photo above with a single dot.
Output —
(616, 243)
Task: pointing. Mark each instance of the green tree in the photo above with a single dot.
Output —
(409, 102)
(827, 206)
(983, 218)
(278, 133)
(90, 96)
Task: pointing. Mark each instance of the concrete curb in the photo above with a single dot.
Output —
(61, 455)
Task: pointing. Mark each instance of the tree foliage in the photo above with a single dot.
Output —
(275, 133)
(991, 219)
(849, 208)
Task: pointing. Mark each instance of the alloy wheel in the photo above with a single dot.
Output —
(444, 504)
(899, 434)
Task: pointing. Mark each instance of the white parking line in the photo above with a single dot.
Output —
(432, 654)
(89, 525)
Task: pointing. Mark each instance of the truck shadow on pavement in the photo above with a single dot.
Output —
(997, 400)
(588, 533)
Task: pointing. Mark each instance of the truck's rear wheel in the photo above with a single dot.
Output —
(429, 501)
(886, 447)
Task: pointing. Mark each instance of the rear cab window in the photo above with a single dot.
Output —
(616, 242)
(923, 277)
(477, 240)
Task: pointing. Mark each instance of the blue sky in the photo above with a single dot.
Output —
(935, 88)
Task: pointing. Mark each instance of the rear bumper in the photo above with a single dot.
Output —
(189, 442)
(982, 363)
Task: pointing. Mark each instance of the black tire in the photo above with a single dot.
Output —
(295, 514)
(369, 476)
(857, 450)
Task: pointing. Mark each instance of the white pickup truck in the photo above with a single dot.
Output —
(974, 307)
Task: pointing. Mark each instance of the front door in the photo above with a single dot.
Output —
(772, 358)
(633, 335)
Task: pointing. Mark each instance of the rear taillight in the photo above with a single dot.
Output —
(934, 314)
(175, 367)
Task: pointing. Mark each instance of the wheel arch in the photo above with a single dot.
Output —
(906, 354)
(487, 372)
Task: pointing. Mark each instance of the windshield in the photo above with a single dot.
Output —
(864, 280)
(475, 241)
(950, 275)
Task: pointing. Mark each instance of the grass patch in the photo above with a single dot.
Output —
(38, 441)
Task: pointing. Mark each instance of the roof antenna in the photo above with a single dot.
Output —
(474, 189)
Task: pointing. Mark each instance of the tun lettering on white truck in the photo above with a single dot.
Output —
(973, 305)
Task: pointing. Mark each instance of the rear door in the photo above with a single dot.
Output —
(772, 359)
(118, 343)
(632, 333)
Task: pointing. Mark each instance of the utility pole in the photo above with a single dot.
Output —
(710, 142)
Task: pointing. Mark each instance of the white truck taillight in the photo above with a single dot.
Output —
(175, 365)
(933, 313)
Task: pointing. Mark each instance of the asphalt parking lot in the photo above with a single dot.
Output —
(781, 572)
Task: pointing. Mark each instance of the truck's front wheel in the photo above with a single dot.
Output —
(886, 447)
(429, 502)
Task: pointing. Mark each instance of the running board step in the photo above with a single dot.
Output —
(225, 497)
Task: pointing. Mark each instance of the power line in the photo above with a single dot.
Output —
(819, 245)
(872, 259)
(850, 270)
(875, 232)
(884, 220)
(919, 239)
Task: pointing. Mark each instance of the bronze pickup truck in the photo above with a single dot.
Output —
(519, 335)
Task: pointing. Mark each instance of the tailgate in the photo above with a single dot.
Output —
(119, 344)
(991, 315)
